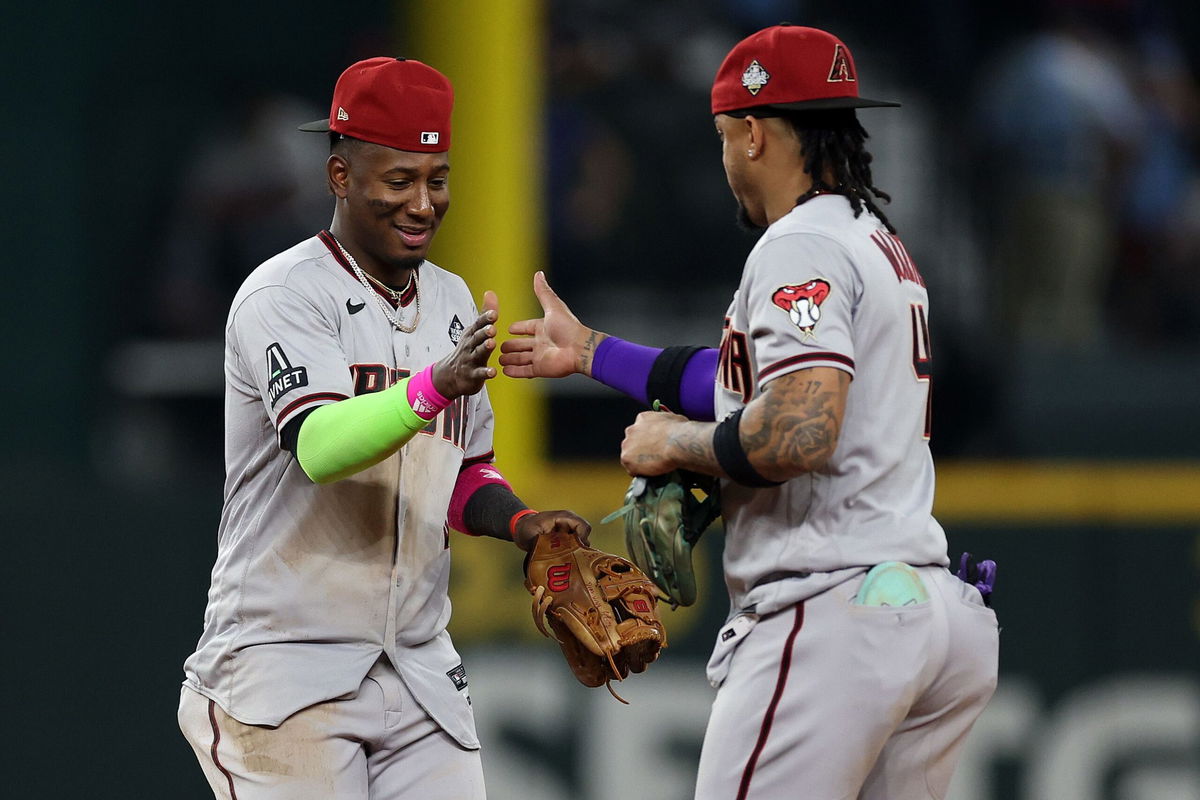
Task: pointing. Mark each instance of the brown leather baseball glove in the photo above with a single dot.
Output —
(600, 607)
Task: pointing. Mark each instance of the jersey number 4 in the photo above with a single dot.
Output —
(923, 360)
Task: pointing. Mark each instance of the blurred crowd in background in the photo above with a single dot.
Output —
(1045, 175)
(1044, 171)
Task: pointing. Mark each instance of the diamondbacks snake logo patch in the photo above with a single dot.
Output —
(802, 302)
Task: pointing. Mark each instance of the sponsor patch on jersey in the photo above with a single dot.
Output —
(282, 377)
(802, 302)
(456, 329)
(755, 77)
(459, 676)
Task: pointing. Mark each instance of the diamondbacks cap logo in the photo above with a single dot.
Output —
(342, 115)
(282, 377)
(840, 70)
(802, 303)
(456, 329)
(755, 77)
(429, 137)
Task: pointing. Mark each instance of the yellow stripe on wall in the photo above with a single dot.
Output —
(983, 492)
(1069, 491)
(493, 234)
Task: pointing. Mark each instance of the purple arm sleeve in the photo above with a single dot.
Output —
(626, 366)
(696, 387)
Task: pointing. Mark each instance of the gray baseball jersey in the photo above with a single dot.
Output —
(312, 583)
(823, 288)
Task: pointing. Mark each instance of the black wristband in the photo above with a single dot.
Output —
(666, 373)
(489, 510)
(727, 446)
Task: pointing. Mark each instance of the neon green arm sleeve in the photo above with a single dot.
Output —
(339, 439)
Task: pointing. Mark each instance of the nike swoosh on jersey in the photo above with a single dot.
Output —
(354, 309)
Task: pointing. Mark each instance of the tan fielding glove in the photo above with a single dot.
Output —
(600, 607)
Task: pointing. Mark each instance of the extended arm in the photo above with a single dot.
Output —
(341, 439)
(559, 345)
(790, 429)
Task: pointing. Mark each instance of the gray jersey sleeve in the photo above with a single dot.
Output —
(289, 352)
(800, 292)
(479, 437)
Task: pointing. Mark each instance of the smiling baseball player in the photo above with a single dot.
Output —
(358, 432)
(853, 663)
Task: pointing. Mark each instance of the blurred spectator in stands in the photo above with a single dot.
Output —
(1158, 277)
(251, 186)
(1060, 123)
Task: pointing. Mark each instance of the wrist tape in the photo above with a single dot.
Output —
(727, 446)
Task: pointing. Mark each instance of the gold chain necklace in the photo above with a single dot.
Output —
(391, 314)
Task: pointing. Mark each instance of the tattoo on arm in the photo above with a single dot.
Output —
(793, 426)
(691, 445)
(588, 352)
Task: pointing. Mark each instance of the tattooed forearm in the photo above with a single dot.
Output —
(588, 353)
(690, 446)
(793, 427)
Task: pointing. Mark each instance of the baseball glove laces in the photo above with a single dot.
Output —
(599, 607)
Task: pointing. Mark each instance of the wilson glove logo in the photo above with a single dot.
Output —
(558, 578)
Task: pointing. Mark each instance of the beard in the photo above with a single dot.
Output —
(744, 222)
(411, 262)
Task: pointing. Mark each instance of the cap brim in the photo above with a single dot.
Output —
(831, 103)
(316, 126)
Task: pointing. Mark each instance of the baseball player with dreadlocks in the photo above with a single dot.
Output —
(853, 663)
(358, 432)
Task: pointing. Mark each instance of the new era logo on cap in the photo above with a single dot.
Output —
(429, 137)
(342, 115)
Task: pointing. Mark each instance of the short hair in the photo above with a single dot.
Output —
(341, 144)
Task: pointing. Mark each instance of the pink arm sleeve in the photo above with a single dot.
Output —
(472, 478)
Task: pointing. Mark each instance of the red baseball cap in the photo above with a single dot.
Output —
(789, 67)
(395, 102)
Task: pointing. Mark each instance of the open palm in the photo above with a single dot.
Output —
(554, 346)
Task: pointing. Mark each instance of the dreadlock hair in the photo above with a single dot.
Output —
(832, 143)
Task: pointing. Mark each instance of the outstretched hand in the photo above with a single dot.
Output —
(554, 346)
(466, 369)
